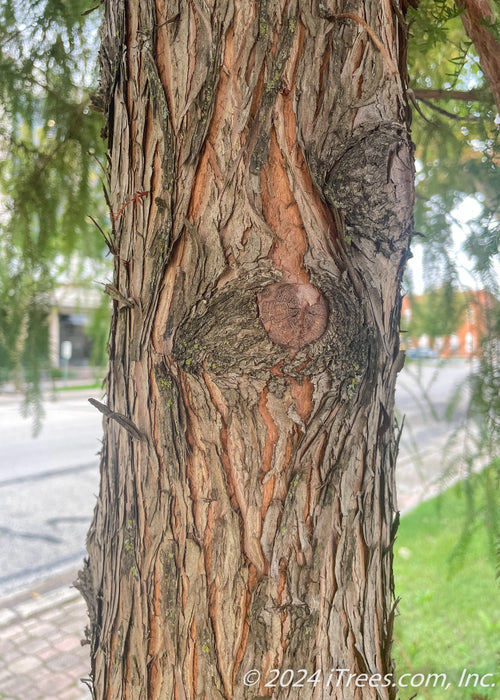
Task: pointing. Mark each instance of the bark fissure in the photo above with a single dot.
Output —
(252, 525)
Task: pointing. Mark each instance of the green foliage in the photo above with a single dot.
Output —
(449, 615)
(484, 404)
(50, 142)
(23, 332)
(476, 442)
(483, 242)
(457, 146)
(455, 129)
(49, 133)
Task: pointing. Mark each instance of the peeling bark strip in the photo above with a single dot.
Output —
(254, 347)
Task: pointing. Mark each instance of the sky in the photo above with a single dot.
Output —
(467, 211)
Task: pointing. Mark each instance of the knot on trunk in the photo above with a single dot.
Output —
(294, 315)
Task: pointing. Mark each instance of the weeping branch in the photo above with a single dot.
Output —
(445, 113)
(462, 95)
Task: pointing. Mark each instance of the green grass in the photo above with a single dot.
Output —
(449, 613)
(79, 387)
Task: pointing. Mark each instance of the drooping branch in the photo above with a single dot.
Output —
(446, 113)
(461, 95)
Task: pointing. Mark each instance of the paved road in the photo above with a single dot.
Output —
(427, 458)
(69, 438)
(48, 487)
(48, 484)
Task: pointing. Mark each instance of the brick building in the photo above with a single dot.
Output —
(465, 340)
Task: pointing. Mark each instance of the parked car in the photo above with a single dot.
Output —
(421, 353)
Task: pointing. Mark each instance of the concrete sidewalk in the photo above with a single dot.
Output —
(41, 655)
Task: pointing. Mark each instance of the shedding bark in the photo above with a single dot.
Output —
(251, 526)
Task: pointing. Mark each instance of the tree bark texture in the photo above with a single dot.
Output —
(261, 179)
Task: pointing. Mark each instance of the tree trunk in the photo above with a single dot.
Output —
(475, 18)
(261, 183)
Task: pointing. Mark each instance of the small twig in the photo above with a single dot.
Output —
(169, 21)
(90, 685)
(107, 239)
(108, 201)
(119, 418)
(137, 197)
(371, 34)
(92, 9)
(115, 294)
(414, 102)
(93, 155)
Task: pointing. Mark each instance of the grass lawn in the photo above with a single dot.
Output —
(449, 613)
(79, 387)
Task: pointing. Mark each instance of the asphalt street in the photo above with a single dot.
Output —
(71, 430)
(48, 487)
(48, 484)
(431, 444)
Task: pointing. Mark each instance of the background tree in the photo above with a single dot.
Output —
(50, 140)
(455, 84)
(479, 20)
(456, 137)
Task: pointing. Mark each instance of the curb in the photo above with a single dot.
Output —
(46, 595)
